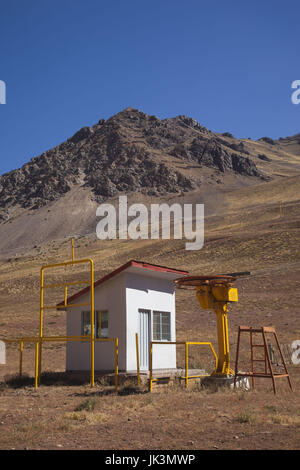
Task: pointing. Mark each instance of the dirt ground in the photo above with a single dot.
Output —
(62, 414)
(75, 416)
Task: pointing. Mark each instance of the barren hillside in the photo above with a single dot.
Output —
(244, 231)
(176, 159)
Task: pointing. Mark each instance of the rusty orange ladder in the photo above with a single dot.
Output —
(267, 361)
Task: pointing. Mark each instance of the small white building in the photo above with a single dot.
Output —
(138, 298)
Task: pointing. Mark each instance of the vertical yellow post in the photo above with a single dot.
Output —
(36, 364)
(21, 358)
(66, 295)
(223, 366)
(280, 208)
(137, 359)
(227, 357)
(186, 364)
(150, 377)
(41, 323)
(116, 364)
(92, 326)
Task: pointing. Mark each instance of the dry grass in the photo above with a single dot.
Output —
(65, 412)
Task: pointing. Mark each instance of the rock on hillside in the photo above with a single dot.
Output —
(124, 154)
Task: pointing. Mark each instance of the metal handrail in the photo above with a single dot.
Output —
(187, 344)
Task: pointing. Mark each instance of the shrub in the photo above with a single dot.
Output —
(86, 405)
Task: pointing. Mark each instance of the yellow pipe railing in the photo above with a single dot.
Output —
(38, 341)
(41, 338)
(65, 284)
(65, 305)
(36, 378)
(187, 344)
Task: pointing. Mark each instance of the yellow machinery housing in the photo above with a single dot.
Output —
(214, 293)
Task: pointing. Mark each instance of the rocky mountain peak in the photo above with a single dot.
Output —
(129, 152)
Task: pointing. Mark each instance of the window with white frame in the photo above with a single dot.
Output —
(161, 326)
(101, 323)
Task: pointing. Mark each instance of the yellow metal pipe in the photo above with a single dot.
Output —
(214, 353)
(198, 342)
(40, 360)
(92, 324)
(67, 263)
(41, 302)
(66, 296)
(169, 342)
(17, 340)
(39, 340)
(150, 365)
(41, 323)
(49, 338)
(116, 364)
(64, 284)
(186, 365)
(36, 365)
(137, 358)
(196, 376)
(227, 341)
(33, 339)
(102, 339)
(223, 365)
(62, 339)
(58, 307)
(186, 343)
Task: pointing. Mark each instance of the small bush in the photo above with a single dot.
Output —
(245, 417)
(86, 405)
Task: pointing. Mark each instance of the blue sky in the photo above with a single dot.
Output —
(68, 63)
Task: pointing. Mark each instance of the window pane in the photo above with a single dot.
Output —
(166, 330)
(86, 323)
(101, 324)
(104, 324)
(161, 326)
(104, 320)
(156, 326)
(156, 332)
(98, 320)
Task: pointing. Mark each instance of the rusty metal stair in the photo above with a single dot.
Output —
(268, 373)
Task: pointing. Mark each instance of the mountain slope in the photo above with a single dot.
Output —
(124, 154)
(142, 156)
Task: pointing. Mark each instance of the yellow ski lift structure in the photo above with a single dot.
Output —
(214, 293)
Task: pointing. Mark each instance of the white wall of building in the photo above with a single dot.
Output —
(109, 296)
(152, 293)
(122, 296)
